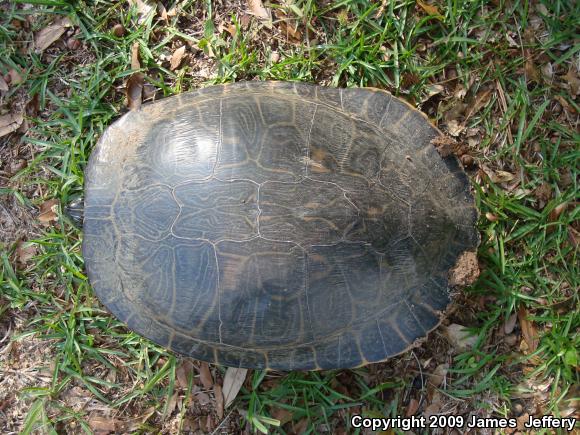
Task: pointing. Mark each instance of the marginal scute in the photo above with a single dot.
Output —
(276, 225)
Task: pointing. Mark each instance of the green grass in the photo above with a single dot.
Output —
(528, 256)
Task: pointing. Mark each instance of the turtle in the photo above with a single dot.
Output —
(276, 225)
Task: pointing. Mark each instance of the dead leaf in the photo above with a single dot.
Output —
(567, 106)
(438, 376)
(134, 424)
(202, 398)
(219, 401)
(480, 100)
(172, 12)
(528, 329)
(543, 193)
(48, 211)
(73, 44)
(498, 177)
(135, 64)
(233, 381)
(10, 123)
(532, 74)
(144, 8)
(16, 166)
(50, 34)
(573, 81)
(101, 425)
(15, 76)
(134, 91)
(24, 252)
(292, 33)
(162, 12)
(548, 71)
(205, 375)
(257, 8)
(300, 426)
(281, 414)
(171, 405)
(176, 57)
(429, 9)
(555, 214)
(183, 373)
(459, 337)
(432, 410)
(3, 84)
(454, 127)
(288, 26)
(433, 90)
(412, 408)
(510, 323)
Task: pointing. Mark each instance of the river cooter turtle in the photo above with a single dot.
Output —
(276, 225)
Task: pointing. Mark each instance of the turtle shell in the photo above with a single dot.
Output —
(276, 225)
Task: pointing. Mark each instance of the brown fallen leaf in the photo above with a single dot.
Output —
(432, 410)
(176, 57)
(543, 193)
(412, 408)
(257, 8)
(454, 127)
(24, 252)
(288, 26)
(438, 376)
(144, 8)
(135, 63)
(50, 34)
(202, 398)
(555, 214)
(565, 104)
(205, 375)
(16, 166)
(134, 424)
(292, 33)
(300, 426)
(10, 123)
(3, 84)
(183, 373)
(498, 177)
(459, 337)
(532, 73)
(429, 9)
(73, 44)
(219, 401)
(48, 211)
(573, 81)
(480, 100)
(528, 329)
(162, 11)
(510, 323)
(15, 76)
(171, 405)
(134, 91)
(281, 414)
(101, 425)
(233, 381)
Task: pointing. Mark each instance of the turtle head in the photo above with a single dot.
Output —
(75, 211)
